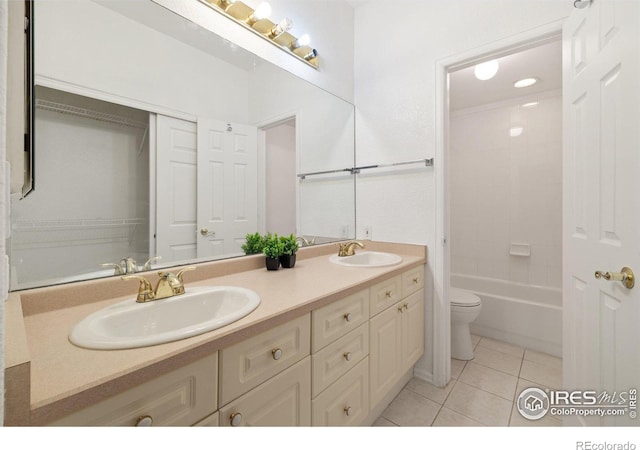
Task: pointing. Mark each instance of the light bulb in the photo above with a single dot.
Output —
(284, 26)
(262, 11)
(304, 40)
(486, 70)
(525, 82)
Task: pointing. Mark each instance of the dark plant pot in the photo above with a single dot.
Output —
(272, 263)
(288, 261)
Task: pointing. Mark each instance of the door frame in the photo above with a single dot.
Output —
(262, 126)
(442, 262)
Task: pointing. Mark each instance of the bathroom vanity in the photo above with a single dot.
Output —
(328, 345)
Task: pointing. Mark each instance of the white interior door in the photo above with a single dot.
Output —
(177, 161)
(227, 186)
(601, 208)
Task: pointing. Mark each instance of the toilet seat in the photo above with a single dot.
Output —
(462, 298)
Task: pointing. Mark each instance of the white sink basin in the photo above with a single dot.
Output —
(367, 259)
(129, 324)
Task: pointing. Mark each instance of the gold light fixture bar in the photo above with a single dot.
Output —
(275, 33)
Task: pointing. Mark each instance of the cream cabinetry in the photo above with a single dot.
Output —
(181, 397)
(284, 400)
(396, 342)
(338, 318)
(248, 363)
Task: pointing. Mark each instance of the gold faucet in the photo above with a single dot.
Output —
(348, 248)
(168, 285)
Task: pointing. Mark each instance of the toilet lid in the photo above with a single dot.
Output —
(460, 297)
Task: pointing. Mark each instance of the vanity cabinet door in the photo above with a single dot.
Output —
(212, 421)
(385, 294)
(284, 400)
(246, 364)
(345, 402)
(338, 318)
(412, 329)
(412, 281)
(385, 351)
(181, 397)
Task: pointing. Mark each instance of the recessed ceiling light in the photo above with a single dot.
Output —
(525, 82)
(486, 70)
(515, 131)
(530, 104)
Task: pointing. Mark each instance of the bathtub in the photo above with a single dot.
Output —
(520, 314)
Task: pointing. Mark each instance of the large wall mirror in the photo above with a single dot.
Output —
(158, 142)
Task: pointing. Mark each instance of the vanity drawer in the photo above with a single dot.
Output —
(335, 359)
(284, 400)
(385, 294)
(338, 318)
(346, 402)
(181, 397)
(212, 421)
(412, 281)
(246, 364)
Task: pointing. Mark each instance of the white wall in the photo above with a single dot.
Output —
(507, 190)
(396, 50)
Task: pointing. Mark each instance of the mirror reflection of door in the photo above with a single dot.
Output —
(280, 178)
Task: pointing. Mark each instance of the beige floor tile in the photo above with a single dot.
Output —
(497, 360)
(484, 407)
(456, 367)
(475, 339)
(489, 380)
(409, 409)
(544, 375)
(524, 384)
(382, 422)
(543, 359)
(438, 395)
(449, 418)
(500, 346)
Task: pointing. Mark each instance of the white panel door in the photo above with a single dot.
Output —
(177, 161)
(601, 208)
(227, 186)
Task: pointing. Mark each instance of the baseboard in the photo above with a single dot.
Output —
(516, 339)
(423, 374)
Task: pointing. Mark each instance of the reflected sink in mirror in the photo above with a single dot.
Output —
(129, 324)
(367, 259)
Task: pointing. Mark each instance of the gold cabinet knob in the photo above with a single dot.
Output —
(235, 419)
(415, 280)
(388, 294)
(348, 410)
(144, 421)
(348, 317)
(276, 353)
(347, 356)
(400, 308)
(405, 306)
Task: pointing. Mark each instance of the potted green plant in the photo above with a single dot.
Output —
(289, 249)
(272, 251)
(254, 243)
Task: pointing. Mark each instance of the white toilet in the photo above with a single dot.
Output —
(465, 307)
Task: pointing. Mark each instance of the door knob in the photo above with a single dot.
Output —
(206, 232)
(625, 276)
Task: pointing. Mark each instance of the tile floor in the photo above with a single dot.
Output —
(482, 392)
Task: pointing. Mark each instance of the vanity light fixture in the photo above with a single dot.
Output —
(530, 104)
(486, 70)
(257, 21)
(525, 82)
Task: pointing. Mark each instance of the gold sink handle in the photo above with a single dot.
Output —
(145, 291)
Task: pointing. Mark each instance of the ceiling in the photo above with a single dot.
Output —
(543, 62)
